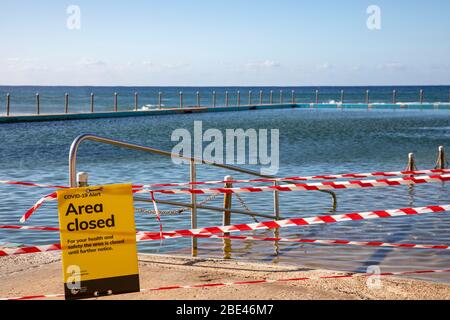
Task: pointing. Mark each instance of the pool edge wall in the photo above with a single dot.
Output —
(122, 114)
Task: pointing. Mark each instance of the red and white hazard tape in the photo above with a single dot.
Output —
(56, 247)
(255, 282)
(381, 214)
(208, 232)
(50, 197)
(30, 228)
(332, 242)
(283, 188)
(281, 223)
(299, 178)
(158, 215)
(31, 184)
(311, 186)
(28, 250)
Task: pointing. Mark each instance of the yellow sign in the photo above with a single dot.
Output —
(98, 238)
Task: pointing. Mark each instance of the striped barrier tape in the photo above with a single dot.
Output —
(255, 282)
(31, 184)
(282, 223)
(37, 205)
(28, 250)
(369, 215)
(56, 247)
(158, 216)
(331, 242)
(284, 188)
(311, 186)
(299, 178)
(30, 228)
(205, 232)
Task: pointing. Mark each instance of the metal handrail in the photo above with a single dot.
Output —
(211, 208)
(193, 161)
(76, 143)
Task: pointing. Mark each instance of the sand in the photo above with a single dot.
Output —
(36, 274)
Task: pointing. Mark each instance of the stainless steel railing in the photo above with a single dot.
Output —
(193, 176)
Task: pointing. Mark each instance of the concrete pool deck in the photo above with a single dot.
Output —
(169, 111)
(37, 274)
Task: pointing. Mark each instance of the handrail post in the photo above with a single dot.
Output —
(38, 104)
(92, 102)
(317, 96)
(276, 202)
(394, 96)
(193, 176)
(271, 97)
(238, 98)
(293, 96)
(421, 96)
(116, 103)
(66, 103)
(136, 101)
(82, 179)
(367, 96)
(181, 99)
(214, 99)
(260, 97)
(441, 161)
(250, 97)
(198, 99)
(227, 100)
(159, 100)
(342, 96)
(8, 104)
(227, 202)
(411, 163)
(281, 97)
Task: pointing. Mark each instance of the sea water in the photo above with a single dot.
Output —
(311, 142)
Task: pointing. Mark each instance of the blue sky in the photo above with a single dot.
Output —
(218, 42)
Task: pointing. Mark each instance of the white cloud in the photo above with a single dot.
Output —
(27, 65)
(176, 65)
(88, 62)
(325, 66)
(266, 64)
(13, 60)
(149, 64)
(392, 66)
(165, 66)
